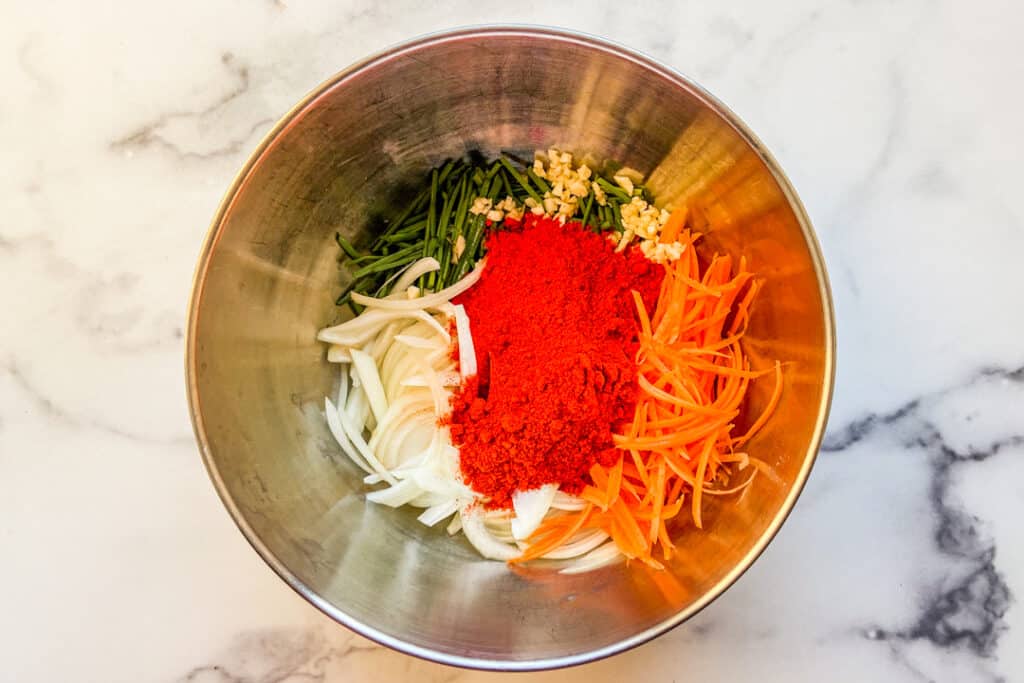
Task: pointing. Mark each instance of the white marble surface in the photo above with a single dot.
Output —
(899, 122)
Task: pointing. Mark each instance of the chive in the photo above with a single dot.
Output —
(538, 181)
(406, 234)
(616, 212)
(588, 204)
(478, 176)
(431, 226)
(365, 258)
(397, 224)
(385, 262)
(493, 170)
(400, 259)
(446, 168)
(506, 185)
(461, 211)
(472, 245)
(613, 189)
(494, 191)
(519, 179)
(346, 246)
(346, 293)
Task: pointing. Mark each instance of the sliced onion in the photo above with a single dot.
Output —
(418, 342)
(357, 330)
(429, 499)
(567, 502)
(595, 559)
(454, 526)
(486, 544)
(583, 543)
(338, 354)
(435, 356)
(394, 387)
(440, 396)
(467, 354)
(402, 409)
(503, 535)
(355, 436)
(383, 340)
(399, 473)
(433, 482)
(446, 308)
(530, 508)
(342, 388)
(413, 438)
(356, 335)
(366, 369)
(440, 512)
(413, 273)
(338, 431)
(428, 301)
(396, 495)
(356, 408)
(446, 378)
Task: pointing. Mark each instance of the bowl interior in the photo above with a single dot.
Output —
(270, 274)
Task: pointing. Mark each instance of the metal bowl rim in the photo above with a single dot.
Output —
(616, 50)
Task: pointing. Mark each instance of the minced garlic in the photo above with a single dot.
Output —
(644, 219)
(569, 184)
(660, 252)
(458, 248)
(481, 205)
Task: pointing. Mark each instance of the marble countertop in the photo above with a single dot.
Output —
(123, 123)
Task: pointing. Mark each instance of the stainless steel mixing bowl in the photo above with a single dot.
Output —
(269, 273)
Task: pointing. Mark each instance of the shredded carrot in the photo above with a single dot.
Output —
(675, 222)
(693, 377)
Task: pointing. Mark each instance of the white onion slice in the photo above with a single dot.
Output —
(382, 342)
(567, 502)
(428, 301)
(397, 495)
(342, 389)
(581, 544)
(419, 342)
(439, 512)
(356, 408)
(408, 440)
(530, 508)
(402, 409)
(403, 472)
(355, 436)
(486, 544)
(433, 482)
(437, 392)
(366, 369)
(454, 526)
(347, 334)
(467, 354)
(413, 272)
(338, 354)
(595, 559)
(338, 431)
(448, 308)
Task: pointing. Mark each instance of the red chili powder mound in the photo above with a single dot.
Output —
(554, 327)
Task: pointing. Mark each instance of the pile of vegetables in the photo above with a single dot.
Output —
(440, 223)
(477, 435)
